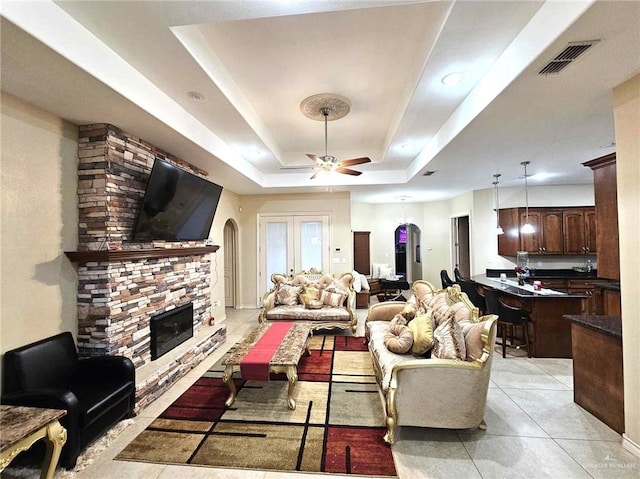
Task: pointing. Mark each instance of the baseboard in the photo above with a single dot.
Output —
(630, 445)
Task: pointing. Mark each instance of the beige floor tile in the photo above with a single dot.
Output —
(123, 470)
(561, 418)
(504, 417)
(518, 373)
(561, 369)
(431, 454)
(603, 459)
(521, 457)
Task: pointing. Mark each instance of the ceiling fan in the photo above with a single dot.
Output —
(328, 106)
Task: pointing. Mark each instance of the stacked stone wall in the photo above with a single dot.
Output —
(117, 299)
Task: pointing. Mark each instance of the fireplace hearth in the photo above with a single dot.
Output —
(171, 329)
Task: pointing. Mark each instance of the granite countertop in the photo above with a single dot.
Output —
(511, 287)
(611, 325)
(540, 273)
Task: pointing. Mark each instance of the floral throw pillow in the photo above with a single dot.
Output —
(334, 300)
(448, 339)
(287, 294)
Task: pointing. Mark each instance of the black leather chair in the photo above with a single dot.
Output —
(445, 279)
(509, 318)
(96, 392)
(471, 289)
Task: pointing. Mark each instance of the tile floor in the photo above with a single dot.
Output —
(534, 431)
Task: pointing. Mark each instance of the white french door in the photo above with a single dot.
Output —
(289, 244)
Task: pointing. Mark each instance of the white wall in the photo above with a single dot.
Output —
(228, 209)
(39, 222)
(627, 122)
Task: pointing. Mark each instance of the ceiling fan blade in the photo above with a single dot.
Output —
(348, 171)
(313, 157)
(355, 161)
(314, 175)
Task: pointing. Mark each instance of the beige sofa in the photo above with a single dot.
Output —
(327, 302)
(433, 392)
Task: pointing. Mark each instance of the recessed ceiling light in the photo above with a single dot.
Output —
(196, 96)
(452, 78)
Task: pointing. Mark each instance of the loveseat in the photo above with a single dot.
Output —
(441, 379)
(327, 302)
(96, 392)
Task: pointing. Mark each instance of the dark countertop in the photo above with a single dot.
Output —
(540, 273)
(611, 325)
(612, 285)
(519, 292)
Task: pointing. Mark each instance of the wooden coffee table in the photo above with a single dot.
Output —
(285, 359)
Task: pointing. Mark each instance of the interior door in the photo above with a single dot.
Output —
(289, 244)
(461, 253)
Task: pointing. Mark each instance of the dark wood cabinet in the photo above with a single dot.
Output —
(586, 287)
(579, 231)
(547, 237)
(606, 199)
(509, 242)
(558, 230)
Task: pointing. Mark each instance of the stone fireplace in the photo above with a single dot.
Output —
(123, 285)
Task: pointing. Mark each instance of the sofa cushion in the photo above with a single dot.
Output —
(385, 359)
(287, 294)
(333, 299)
(461, 313)
(398, 319)
(398, 338)
(422, 329)
(448, 340)
(309, 294)
(299, 312)
(409, 310)
(473, 339)
(437, 301)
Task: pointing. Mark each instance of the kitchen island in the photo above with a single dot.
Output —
(549, 331)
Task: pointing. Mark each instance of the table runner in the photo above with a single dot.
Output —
(255, 365)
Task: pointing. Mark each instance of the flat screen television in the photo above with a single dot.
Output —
(177, 205)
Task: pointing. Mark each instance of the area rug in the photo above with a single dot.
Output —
(337, 426)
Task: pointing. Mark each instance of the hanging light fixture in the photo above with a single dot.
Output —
(499, 230)
(527, 228)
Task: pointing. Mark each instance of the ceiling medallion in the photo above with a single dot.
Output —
(315, 106)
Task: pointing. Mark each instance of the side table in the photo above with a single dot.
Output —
(22, 426)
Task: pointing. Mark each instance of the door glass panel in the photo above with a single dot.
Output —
(276, 245)
(310, 245)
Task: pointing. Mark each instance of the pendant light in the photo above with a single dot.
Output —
(499, 230)
(527, 228)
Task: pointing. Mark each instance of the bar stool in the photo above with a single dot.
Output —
(471, 290)
(509, 318)
(457, 275)
(444, 278)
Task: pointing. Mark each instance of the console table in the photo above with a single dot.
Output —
(22, 426)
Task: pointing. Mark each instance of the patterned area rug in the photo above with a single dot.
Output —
(337, 426)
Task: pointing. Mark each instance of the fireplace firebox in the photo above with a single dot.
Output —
(171, 328)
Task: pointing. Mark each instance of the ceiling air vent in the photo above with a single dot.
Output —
(572, 51)
(428, 173)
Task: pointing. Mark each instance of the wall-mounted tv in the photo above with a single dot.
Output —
(177, 205)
